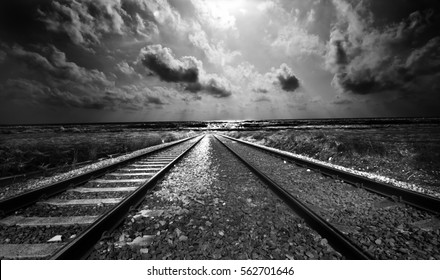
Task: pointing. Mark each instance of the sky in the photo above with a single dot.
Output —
(180, 60)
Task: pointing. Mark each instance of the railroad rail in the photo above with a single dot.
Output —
(415, 199)
(354, 241)
(146, 169)
(334, 236)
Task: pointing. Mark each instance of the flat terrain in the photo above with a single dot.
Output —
(26, 149)
(405, 152)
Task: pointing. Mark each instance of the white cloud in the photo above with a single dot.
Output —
(216, 53)
(292, 37)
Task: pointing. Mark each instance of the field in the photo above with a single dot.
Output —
(25, 149)
(404, 149)
(406, 152)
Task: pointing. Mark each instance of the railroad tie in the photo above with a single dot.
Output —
(29, 251)
(95, 201)
(133, 174)
(105, 181)
(93, 190)
(47, 221)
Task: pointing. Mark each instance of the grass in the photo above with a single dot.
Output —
(42, 149)
(398, 153)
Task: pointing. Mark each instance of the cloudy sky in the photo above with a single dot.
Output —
(149, 60)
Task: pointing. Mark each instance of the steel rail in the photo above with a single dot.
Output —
(415, 199)
(8, 205)
(82, 245)
(336, 238)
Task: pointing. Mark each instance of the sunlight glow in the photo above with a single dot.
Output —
(226, 8)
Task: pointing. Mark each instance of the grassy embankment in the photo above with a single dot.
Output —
(41, 150)
(400, 156)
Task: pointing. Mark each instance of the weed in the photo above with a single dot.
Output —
(42, 149)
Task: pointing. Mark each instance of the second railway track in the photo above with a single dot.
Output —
(383, 226)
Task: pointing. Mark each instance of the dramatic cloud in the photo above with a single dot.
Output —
(84, 22)
(365, 59)
(286, 78)
(187, 70)
(173, 59)
(52, 63)
(127, 98)
(160, 60)
(50, 79)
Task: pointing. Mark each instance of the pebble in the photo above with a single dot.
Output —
(350, 208)
(143, 250)
(56, 238)
(227, 192)
(141, 241)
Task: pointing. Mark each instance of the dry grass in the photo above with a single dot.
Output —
(401, 154)
(42, 149)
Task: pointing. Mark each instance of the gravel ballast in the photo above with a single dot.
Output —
(212, 207)
(388, 230)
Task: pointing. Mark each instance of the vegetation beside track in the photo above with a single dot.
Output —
(44, 148)
(405, 155)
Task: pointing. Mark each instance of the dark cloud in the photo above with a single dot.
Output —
(340, 55)
(289, 83)
(186, 70)
(168, 74)
(161, 61)
(51, 64)
(285, 77)
(213, 87)
(401, 56)
(88, 24)
(36, 93)
(47, 77)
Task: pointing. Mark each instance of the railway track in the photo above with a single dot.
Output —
(72, 215)
(211, 191)
(368, 218)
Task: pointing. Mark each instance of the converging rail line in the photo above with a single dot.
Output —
(121, 185)
(228, 179)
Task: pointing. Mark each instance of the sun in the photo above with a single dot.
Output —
(227, 6)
